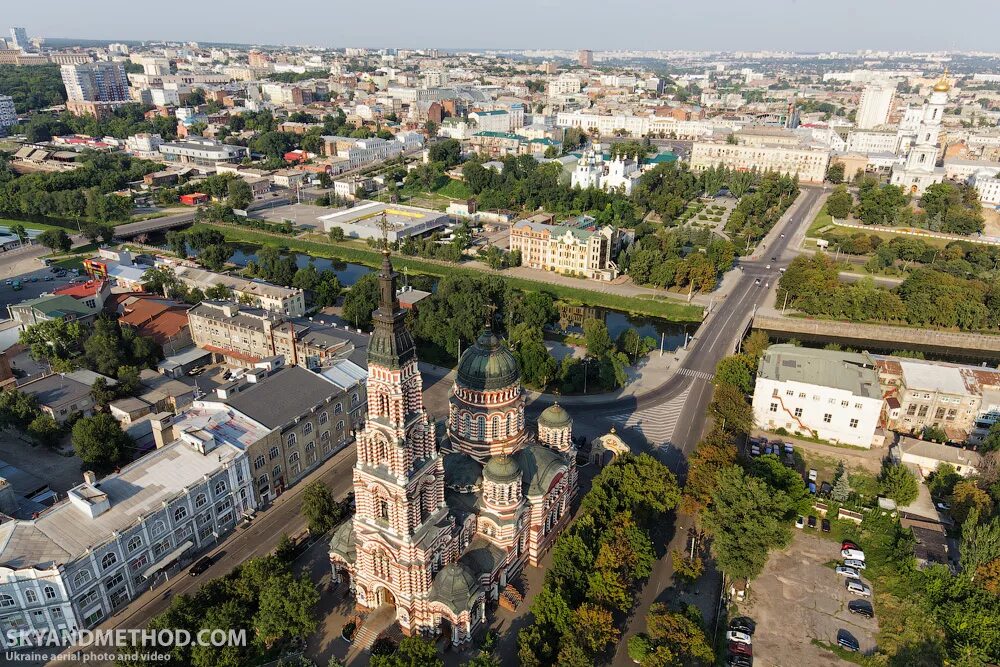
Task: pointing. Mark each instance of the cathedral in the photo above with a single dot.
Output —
(919, 170)
(442, 527)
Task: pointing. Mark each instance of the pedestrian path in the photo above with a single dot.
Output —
(656, 423)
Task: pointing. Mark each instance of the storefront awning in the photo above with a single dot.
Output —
(167, 560)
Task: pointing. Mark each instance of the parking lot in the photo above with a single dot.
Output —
(800, 598)
(32, 289)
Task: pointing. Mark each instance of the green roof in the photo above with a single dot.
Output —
(502, 469)
(455, 587)
(488, 364)
(500, 135)
(554, 416)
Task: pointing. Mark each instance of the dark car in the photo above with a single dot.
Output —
(846, 640)
(861, 608)
(812, 521)
(743, 624)
(737, 660)
(826, 525)
(740, 648)
(201, 565)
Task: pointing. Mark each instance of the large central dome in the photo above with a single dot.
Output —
(488, 365)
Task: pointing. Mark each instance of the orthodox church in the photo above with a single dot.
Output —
(441, 527)
(919, 170)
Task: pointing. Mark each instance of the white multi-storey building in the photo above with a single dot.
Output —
(808, 163)
(875, 105)
(144, 145)
(361, 152)
(83, 559)
(989, 189)
(920, 169)
(635, 126)
(825, 394)
(202, 152)
(491, 121)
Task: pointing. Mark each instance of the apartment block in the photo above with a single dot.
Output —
(581, 250)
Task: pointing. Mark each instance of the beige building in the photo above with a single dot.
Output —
(574, 250)
(963, 401)
(243, 336)
(808, 163)
(288, 301)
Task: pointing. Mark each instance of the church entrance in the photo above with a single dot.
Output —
(385, 597)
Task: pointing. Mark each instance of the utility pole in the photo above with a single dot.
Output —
(662, 338)
(785, 303)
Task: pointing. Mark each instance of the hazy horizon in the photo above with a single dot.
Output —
(731, 25)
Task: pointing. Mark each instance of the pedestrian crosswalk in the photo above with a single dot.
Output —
(701, 375)
(656, 423)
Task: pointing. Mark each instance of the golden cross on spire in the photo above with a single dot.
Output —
(384, 225)
(491, 308)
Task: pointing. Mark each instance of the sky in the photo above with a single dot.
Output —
(727, 25)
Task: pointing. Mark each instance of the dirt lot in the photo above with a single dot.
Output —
(797, 599)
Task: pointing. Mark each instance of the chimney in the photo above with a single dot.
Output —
(90, 477)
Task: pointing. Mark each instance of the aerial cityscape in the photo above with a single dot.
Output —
(325, 348)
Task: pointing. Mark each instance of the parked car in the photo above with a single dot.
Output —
(861, 608)
(846, 640)
(48, 277)
(856, 564)
(788, 448)
(847, 544)
(854, 554)
(846, 571)
(813, 474)
(812, 521)
(800, 522)
(944, 507)
(737, 636)
(201, 565)
(826, 525)
(768, 266)
(757, 282)
(737, 660)
(741, 648)
(858, 588)
(743, 624)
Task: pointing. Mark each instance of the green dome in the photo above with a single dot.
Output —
(488, 365)
(554, 416)
(455, 587)
(502, 469)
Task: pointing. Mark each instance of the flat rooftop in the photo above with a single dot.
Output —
(849, 371)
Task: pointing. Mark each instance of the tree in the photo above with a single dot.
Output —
(835, 172)
(361, 300)
(56, 340)
(756, 345)
(686, 568)
(412, 652)
(214, 257)
(100, 442)
(967, 497)
(898, 483)
(980, 541)
(17, 408)
(736, 370)
(638, 484)
(447, 152)
(431, 128)
(286, 609)
(729, 408)
(319, 507)
(683, 635)
(594, 628)
(240, 194)
(991, 443)
(839, 203)
(336, 234)
(55, 240)
(44, 429)
(596, 338)
(746, 517)
(942, 481)
(841, 488)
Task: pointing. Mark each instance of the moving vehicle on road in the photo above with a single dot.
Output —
(201, 565)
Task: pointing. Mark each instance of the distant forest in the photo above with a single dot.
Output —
(32, 87)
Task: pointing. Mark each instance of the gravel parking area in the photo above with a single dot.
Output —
(799, 598)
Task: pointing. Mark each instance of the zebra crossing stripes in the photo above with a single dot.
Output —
(701, 375)
(655, 424)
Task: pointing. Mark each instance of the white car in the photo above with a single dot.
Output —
(846, 571)
(854, 554)
(800, 522)
(737, 636)
(768, 266)
(856, 564)
(858, 588)
(944, 507)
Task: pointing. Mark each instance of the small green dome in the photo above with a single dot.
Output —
(488, 365)
(554, 416)
(502, 469)
(454, 586)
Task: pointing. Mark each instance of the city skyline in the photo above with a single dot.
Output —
(789, 25)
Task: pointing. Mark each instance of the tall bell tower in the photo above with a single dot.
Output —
(401, 526)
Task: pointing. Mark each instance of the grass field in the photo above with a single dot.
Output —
(5, 222)
(670, 310)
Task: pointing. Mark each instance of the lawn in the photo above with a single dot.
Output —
(5, 222)
(352, 252)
